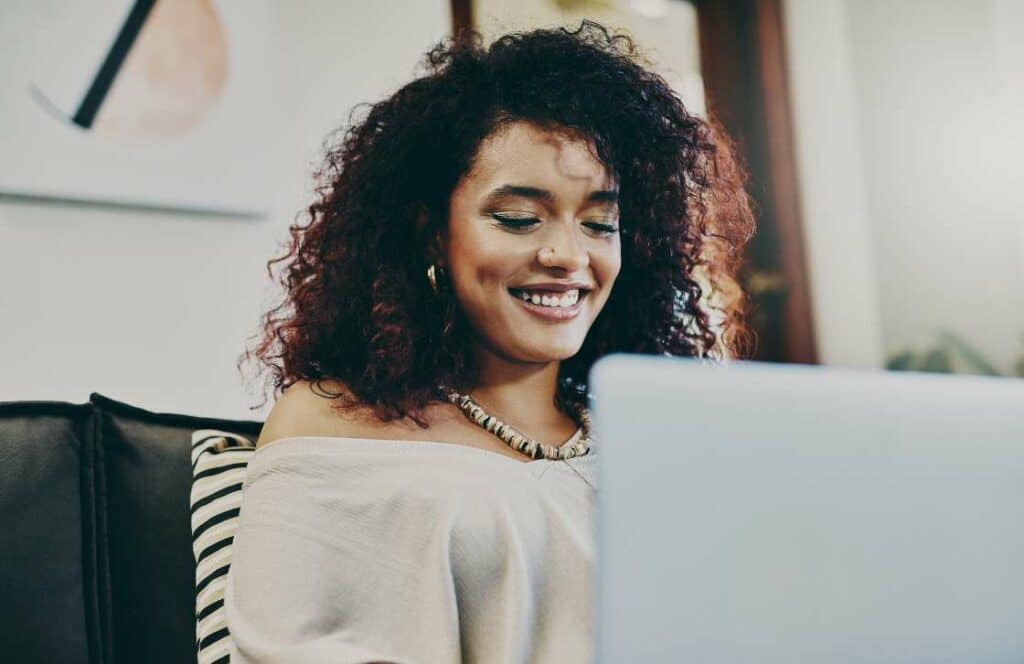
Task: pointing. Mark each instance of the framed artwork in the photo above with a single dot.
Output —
(153, 103)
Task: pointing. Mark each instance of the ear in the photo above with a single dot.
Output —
(434, 240)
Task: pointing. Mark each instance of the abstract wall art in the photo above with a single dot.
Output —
(156, 103)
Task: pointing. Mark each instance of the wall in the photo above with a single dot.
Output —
(830, 173)
(153, 308)
(907, 150)
(940, 92)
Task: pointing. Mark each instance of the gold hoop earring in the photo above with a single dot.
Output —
(436, 281)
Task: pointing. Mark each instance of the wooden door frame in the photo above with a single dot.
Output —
(743, 63)
(462, 15)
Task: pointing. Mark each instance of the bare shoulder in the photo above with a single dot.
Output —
(309, 408)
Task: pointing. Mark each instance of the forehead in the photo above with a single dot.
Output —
(523, 153)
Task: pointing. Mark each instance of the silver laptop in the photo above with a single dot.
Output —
(779, 513)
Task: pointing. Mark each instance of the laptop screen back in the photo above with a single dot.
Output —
(774, 513)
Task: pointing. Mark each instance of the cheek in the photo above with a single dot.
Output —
(607, 265)
(478, 263)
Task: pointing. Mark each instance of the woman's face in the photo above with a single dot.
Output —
(535, 219)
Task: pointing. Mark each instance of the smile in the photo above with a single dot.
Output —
(563, 306)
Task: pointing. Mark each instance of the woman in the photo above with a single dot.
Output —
(422, 489)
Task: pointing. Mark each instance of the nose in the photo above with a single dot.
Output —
(563, 249)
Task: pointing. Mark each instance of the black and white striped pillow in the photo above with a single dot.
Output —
(219, 463)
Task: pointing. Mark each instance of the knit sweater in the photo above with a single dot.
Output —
(358, 550)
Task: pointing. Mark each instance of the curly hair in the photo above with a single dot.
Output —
(358, 308)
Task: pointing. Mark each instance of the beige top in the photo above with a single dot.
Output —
(357, 550)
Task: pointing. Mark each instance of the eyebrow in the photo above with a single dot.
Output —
(546, 197)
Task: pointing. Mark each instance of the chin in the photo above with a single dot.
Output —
(553, 352)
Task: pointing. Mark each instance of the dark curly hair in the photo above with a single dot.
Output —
(358, 307)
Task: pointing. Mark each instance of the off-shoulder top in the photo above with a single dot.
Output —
(361, 550)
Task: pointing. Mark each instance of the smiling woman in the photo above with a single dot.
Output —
(532, 243)
(553, 140)
(480, 239)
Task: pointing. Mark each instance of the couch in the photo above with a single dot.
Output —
(96, 560)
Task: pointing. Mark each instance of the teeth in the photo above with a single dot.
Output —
(560, 300)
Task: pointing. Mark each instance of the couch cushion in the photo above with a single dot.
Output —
(148, 480)
(52, 575)
(219, 464)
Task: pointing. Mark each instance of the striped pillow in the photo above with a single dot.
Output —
(219, 462)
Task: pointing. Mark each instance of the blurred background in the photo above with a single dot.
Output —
(153, 154)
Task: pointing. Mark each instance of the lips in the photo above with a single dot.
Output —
(546, 311)
(555, 286)
(546, 292)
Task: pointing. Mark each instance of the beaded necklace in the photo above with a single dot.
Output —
(577, 445)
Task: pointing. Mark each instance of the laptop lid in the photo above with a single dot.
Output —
(780, 513)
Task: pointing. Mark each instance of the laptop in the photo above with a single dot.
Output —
(756, 512)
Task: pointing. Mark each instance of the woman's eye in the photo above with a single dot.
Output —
(603, 229)
(516, 222)
(599, 228)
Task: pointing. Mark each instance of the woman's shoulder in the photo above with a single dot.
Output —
(329, 408)
(309, 408)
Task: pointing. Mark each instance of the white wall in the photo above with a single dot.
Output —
(830, 170)
(154, 308)
(909, 142)
(940, 97)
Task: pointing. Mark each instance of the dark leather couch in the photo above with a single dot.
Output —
(95, 555)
